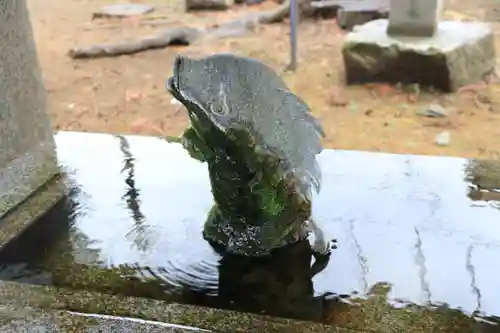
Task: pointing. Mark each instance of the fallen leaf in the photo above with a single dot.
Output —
(412, 98)
(473, 87)
(79, 113)
(384, 89)
(337, 98)
(145, 126)
(132, 96)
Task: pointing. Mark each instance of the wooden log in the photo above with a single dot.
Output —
(176, 36)
(167, 37)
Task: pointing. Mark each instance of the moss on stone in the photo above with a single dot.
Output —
(249, 191)
(484, 174)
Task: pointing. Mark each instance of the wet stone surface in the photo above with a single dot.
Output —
(405, 225)
(37, 320)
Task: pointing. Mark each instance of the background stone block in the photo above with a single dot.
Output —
(459, 54)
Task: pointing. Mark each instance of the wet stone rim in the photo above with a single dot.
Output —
(14, 296)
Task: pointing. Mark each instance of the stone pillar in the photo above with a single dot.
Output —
(27, 148)
(414, 18)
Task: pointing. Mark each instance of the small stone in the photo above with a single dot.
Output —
(443, 139)
(193, 5)
(434, 111)
(123, 10)
(337, 97)
(233, 29)
(253, 2)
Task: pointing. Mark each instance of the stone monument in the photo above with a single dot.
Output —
(260, 142)
(413, 46)
(27, 148)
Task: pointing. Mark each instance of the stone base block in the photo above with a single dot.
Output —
(460, 53)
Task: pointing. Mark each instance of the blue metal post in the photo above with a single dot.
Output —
(294, 18)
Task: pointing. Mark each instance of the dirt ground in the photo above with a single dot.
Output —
(127, 95)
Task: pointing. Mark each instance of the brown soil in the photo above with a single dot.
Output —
(127, 95)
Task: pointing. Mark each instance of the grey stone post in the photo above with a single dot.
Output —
(27, 149)
(414, 18)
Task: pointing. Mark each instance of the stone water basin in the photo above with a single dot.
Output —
(415, 251)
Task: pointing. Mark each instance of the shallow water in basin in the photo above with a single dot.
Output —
(132, 224)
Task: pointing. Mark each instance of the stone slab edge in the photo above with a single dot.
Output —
(36, 320)
(15, 296)
(24, 214)
(25, 174)
(404, 43)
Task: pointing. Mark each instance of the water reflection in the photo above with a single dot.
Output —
(422, 269)
(363, 264)
(279, 284)
(77, 245)
(139, 234)
(407, 232)
(472, 271)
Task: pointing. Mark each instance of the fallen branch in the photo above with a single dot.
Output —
(176, 36)
(185, 36)
(167, 37)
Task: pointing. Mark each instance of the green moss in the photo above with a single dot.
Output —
(374, 313)
(194, 145)
(120, 280)
(248, 187)
(484, 174)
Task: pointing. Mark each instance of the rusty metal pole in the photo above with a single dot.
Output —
(294, 21)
